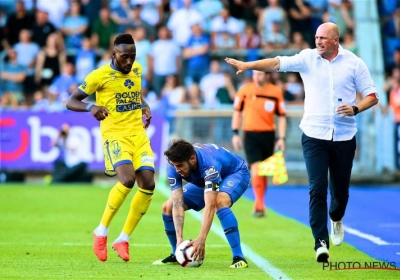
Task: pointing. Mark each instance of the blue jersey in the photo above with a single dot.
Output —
(214, 163)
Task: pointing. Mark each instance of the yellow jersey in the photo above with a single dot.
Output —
(121, 95)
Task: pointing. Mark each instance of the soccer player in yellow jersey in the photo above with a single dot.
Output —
(119, 108)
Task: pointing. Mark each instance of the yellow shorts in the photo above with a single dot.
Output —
(135, 150)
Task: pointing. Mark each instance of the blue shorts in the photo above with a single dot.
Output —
(234, 185)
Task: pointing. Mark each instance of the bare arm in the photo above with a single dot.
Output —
(39, 66)
(210, 198)
(15, 77)
(236, 120)
(237, 40)
(71, 31)
(266, 65)
(95, 40)
(117, 19)
(178, 213)
(304, 11)
(230, 87)
(146, 111)
(280, 143)
(364, 104)
(150, 65)
(190, 52)
(345, 13)
(261, 23)
(75, 104)
(62, 58)
(213, 40)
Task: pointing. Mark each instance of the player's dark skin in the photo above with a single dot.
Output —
(123, 57)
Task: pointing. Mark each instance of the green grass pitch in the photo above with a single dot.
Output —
(46, 233)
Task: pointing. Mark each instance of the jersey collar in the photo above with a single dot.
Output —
(113, 66)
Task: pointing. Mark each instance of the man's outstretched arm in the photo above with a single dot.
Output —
(265, 65)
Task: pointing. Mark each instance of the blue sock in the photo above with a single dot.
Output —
(170, 231)
(231, 230)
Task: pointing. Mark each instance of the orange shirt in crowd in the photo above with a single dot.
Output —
(259, 106)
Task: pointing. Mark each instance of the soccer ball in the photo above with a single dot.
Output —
(182, 254)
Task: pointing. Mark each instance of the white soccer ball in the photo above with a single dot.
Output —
(182, 254)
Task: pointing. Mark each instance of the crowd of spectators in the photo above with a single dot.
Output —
(49, 46)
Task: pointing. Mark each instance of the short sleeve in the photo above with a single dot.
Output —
(90, 85)
(281, 110)
(240, 96)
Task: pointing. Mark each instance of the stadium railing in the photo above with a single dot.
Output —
(214, 126)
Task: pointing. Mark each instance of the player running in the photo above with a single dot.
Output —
(216, 178)
(127, 150)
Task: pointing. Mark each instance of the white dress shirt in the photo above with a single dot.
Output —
(324, 82)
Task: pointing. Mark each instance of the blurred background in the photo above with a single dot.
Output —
(49, 46)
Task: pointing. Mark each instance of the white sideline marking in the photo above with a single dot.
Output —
(89, 244)
(259, 261)
(374, 239)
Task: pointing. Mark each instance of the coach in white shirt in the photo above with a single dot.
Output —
(329, 72)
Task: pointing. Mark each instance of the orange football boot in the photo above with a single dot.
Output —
(100, 247)
(122, 248)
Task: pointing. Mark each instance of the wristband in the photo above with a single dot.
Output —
(144, 105)
(89, 106)
(283, 138)
(235, 131)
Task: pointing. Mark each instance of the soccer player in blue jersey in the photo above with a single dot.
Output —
(216, 178)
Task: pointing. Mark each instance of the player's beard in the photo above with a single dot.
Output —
(192, 168)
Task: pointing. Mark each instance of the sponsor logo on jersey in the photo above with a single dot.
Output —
(147, 159)
(136, 71)
(84, 85)
(172, 181)
(128, 83)
(128, 101)
(128, 107)
(230, 183)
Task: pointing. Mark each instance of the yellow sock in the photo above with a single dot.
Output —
(116, 197)
(139, 205)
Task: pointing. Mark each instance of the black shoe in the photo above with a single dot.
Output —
(239, 262)
(259, 214)
(171, 259)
